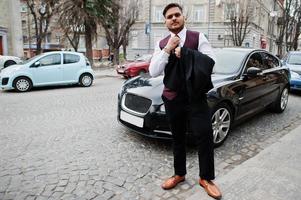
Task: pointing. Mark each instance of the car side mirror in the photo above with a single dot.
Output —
(253, 71)
(37, 64)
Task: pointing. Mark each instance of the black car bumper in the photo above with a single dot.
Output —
(155, 125)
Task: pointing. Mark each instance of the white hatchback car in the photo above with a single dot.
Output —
(6, 61)
(52, 68)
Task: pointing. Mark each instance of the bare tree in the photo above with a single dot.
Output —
(118, 24)
(239, 13)
(284, 23)
(298, 31)
(294, 28)
(41, 11)
(72, 33)
(70, 23)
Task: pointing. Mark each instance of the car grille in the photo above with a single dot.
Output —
(136, 103)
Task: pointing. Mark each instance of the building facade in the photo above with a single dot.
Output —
(212, 17)
(11, 42)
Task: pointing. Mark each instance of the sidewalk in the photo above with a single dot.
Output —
(101, 72)
(273, 174)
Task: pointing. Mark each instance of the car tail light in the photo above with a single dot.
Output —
(87, 62)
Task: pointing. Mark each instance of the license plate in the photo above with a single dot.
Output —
(137, 121)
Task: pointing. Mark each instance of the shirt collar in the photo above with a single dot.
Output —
(181, 34)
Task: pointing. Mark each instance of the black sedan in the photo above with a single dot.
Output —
(246, 81)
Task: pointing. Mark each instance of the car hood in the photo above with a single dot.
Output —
(152, 87)
(295, 68)
(11, 68)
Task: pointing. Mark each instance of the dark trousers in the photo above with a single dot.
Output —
(196, 114)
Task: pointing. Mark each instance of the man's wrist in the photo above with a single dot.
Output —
(167, 50)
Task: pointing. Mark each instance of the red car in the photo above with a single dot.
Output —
(135, 68)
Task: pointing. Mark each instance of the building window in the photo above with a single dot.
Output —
(230, 10)
(199, 13)
(158, 17)
(24, 8)
(25, 38)
(23, 23)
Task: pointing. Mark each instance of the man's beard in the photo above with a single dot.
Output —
(176, 30)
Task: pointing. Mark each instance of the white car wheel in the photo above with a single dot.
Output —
(22, 84)
(85, 80)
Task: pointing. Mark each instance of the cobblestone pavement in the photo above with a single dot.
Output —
(65, 143)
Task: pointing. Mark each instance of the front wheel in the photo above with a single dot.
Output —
(221, 123)
(280, 104)
(85, 80)
(22, 84)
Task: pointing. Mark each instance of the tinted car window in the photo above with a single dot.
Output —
(70, 58)
(54, 59)
(269, 61)
(255, 60)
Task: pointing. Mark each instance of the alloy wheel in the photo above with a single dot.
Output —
(221, 123)
(284, 99)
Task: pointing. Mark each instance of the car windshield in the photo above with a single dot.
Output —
(146, 57)
(29, 60)
(294, 59)
(228, 61)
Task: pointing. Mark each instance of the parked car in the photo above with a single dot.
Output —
(138, 67)
(52, 68)
(246, 81)
(6, 61)
(293, 61)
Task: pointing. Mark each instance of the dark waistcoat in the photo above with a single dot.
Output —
(191, 42)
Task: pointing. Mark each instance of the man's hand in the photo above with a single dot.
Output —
(178, 52)
(172, 43)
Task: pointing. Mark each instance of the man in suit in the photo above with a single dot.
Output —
(183, 107)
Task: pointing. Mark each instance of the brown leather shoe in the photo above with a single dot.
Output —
(211, 189)
(172, 182)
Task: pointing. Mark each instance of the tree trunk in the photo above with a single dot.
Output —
(116, 56)
(124, 51)
(39, 46)
(88, 41)
(296, 37)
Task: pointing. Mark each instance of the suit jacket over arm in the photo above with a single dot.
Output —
(197, 73)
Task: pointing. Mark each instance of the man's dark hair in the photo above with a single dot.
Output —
(171, 5)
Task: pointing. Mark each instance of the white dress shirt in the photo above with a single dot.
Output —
(160, 57)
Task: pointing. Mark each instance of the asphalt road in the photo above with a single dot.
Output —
(65, 142)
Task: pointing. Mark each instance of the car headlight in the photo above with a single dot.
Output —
(295, 75)
(162, 108)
